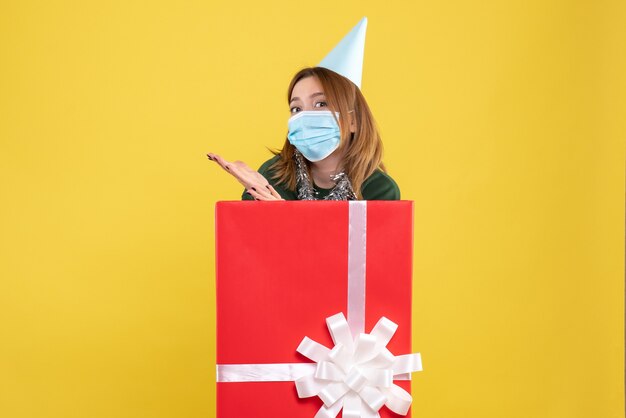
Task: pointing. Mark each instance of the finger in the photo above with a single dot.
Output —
(267, 189)
(254, 194)
(274, 192)
(262, 192)
(219, 160)
(222, 162)
(222, 166)
(234, 168)
(242, 177)
(213, 157)
(261, 195)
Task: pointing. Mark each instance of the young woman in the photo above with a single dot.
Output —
(333, 150)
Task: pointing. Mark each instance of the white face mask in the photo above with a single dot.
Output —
(315, 133)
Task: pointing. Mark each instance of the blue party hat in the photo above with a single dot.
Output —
(347, 57)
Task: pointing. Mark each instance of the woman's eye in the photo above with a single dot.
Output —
(295, 109)
(321, 104)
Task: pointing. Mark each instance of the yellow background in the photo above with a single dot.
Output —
(502, 120)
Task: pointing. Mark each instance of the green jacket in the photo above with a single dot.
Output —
(378, 186)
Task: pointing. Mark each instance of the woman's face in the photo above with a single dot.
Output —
(307, 94)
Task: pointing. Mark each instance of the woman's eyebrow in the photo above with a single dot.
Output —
(319, 93)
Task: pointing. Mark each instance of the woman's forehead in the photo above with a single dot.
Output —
(307, 86)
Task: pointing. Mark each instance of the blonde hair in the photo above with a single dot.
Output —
(363, 148)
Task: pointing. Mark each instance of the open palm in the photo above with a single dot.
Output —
(252, 180)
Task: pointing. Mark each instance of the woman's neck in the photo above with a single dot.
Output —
(322, 171)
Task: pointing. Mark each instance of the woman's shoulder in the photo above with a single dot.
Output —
(380, 186)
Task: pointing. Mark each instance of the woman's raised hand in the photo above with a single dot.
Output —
(253, 181)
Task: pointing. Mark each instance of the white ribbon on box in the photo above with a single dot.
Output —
(357, 374)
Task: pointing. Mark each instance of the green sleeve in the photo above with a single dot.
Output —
(380, 186)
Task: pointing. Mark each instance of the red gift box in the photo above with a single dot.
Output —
(283, 268)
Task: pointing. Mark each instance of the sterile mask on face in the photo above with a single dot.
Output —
(315, 133)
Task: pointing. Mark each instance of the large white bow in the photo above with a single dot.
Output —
(356, 375)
